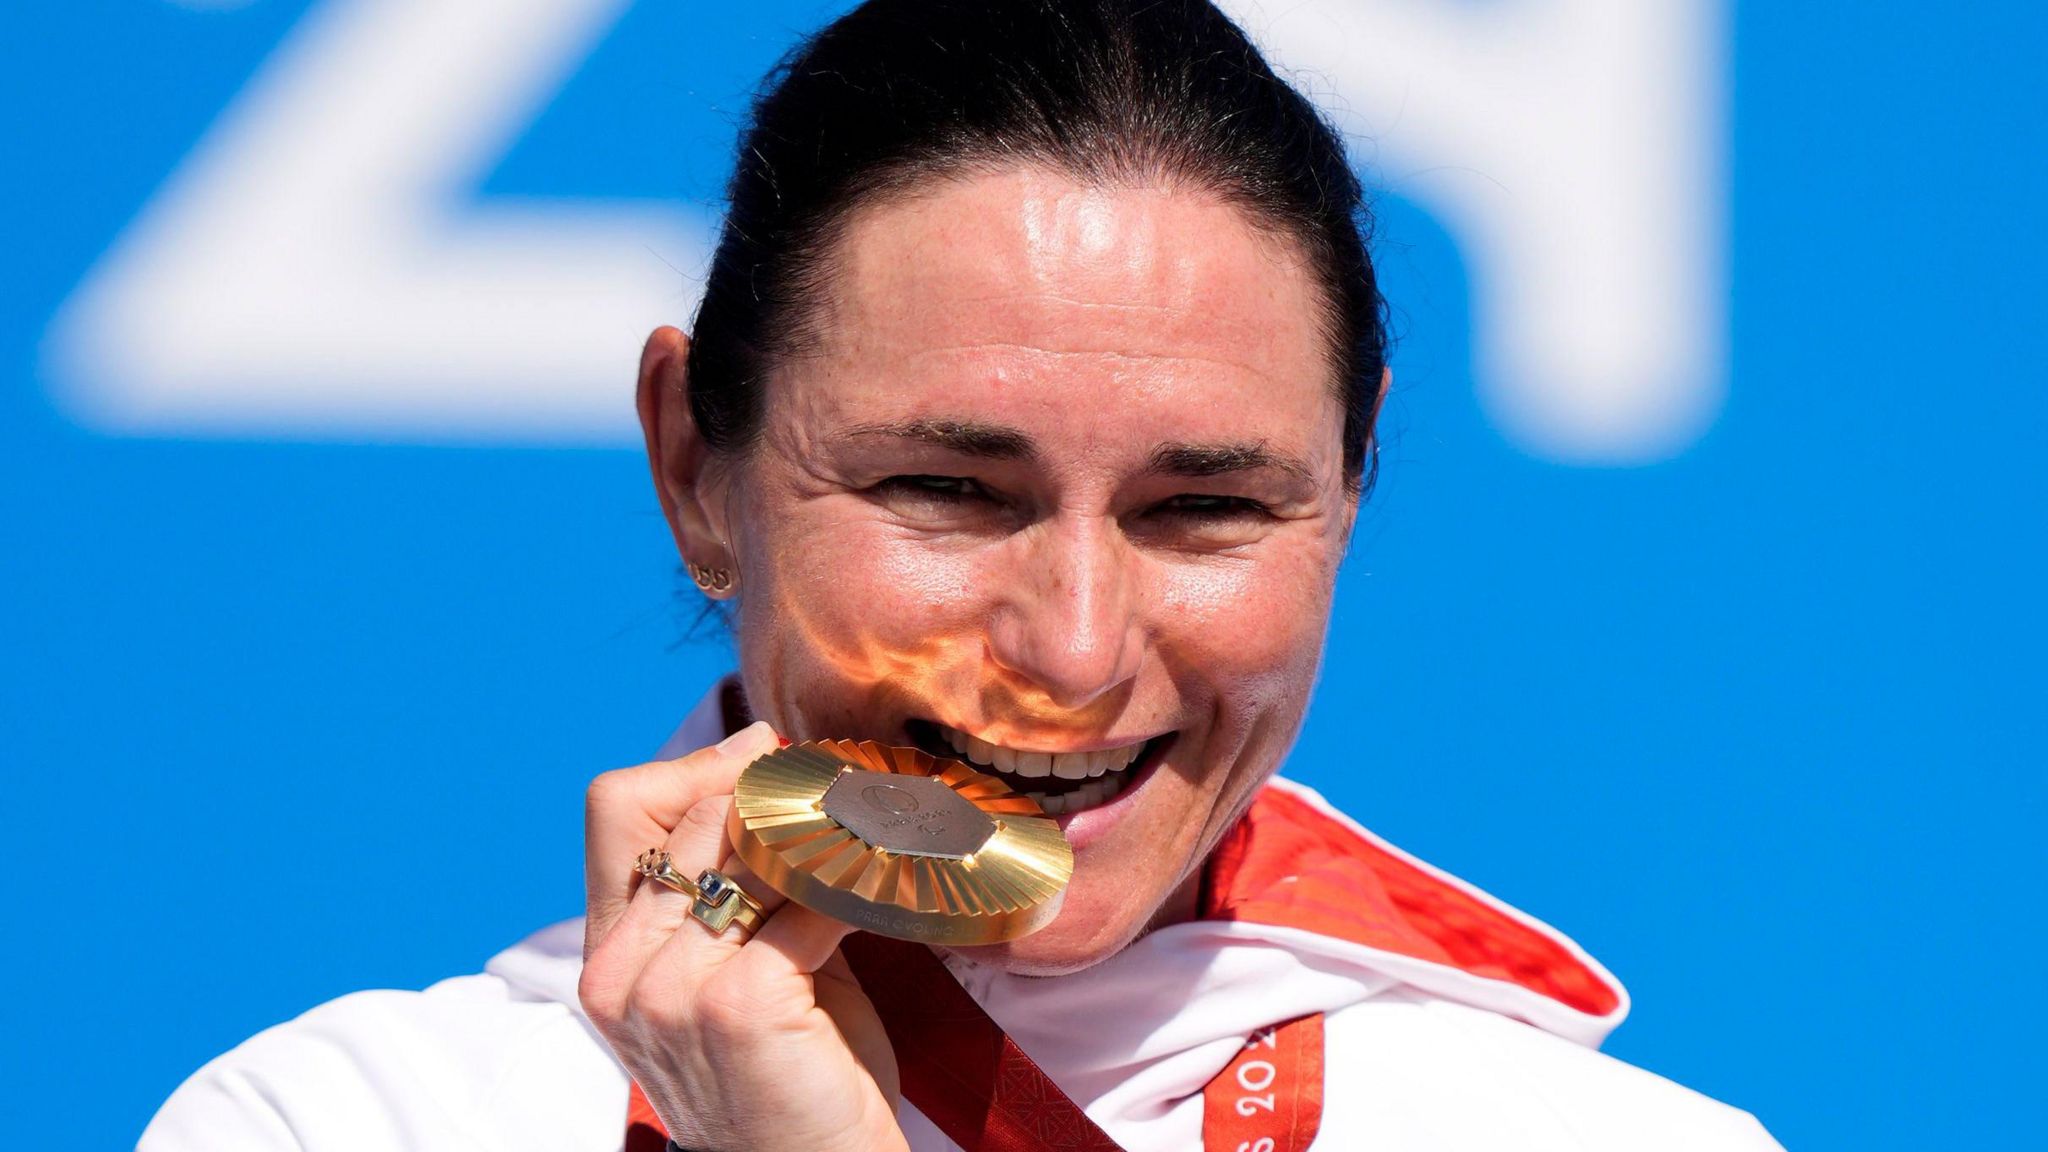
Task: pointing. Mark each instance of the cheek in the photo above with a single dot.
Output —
(1251, 630)
(871, 605)
(842, 610)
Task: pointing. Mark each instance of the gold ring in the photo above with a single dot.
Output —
(716, 900)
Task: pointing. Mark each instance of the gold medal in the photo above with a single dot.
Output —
(900, 842)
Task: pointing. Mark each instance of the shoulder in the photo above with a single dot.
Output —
(1437, 1054)
(480, 1061)
(1411, 1069)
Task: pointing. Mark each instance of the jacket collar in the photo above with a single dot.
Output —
(1303, 911)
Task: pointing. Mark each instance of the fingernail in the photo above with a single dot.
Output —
(755, 738)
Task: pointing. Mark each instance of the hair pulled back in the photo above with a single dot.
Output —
(897, 93)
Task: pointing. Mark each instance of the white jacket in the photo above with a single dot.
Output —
(1420, 1053)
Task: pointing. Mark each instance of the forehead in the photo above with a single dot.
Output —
(1023, 289)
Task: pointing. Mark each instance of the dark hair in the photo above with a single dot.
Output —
(899, 92)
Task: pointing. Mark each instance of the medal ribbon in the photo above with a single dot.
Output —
(1270, 1098)
(978, 1087)
(1286, 863)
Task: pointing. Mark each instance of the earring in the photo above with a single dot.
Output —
(713, 581)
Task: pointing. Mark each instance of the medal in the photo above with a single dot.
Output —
(899, 842)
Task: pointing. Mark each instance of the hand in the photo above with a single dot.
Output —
(767, 1044)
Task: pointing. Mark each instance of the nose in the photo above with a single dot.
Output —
(1067, 624)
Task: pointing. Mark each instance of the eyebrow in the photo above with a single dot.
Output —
(988, 441)
(997, 442)
(1218, 459)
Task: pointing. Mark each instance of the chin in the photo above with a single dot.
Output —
(1099, 919)
(1051, 951)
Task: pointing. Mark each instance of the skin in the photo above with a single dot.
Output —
(974, 501)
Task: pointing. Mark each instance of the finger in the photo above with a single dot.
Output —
(657, 911)
(791, 941)
(843, 999)
(657, 914)
(794, 942)
(633, 809)
(761, 982)
(797, 941)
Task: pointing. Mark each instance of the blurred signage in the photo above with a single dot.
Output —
(315, 267)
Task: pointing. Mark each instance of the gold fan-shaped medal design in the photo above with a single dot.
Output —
(900, 842)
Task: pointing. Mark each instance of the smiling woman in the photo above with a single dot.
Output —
(1027, 417)
(937, 529)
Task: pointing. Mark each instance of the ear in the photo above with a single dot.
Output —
(1380, 403)
(677, 454)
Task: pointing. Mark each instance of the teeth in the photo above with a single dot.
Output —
(1093, 794)
(1102, 769)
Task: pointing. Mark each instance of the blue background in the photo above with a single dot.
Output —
(1760, 726)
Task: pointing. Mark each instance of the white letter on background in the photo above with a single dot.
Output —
(1573, 149)
(311, 270)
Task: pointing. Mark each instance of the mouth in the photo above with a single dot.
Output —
(1062, 783)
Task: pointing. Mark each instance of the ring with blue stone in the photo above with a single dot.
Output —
(716, 900)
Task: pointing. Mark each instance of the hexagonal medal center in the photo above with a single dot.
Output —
(911, 815)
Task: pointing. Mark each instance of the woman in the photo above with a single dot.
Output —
(1029, 408)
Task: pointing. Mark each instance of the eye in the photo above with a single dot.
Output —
(1204, 521)
(949, 502)
(946, 488)
(1206, 507)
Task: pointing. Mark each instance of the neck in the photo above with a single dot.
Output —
(1181, 905)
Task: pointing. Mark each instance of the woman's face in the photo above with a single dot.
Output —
(1058, 486)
